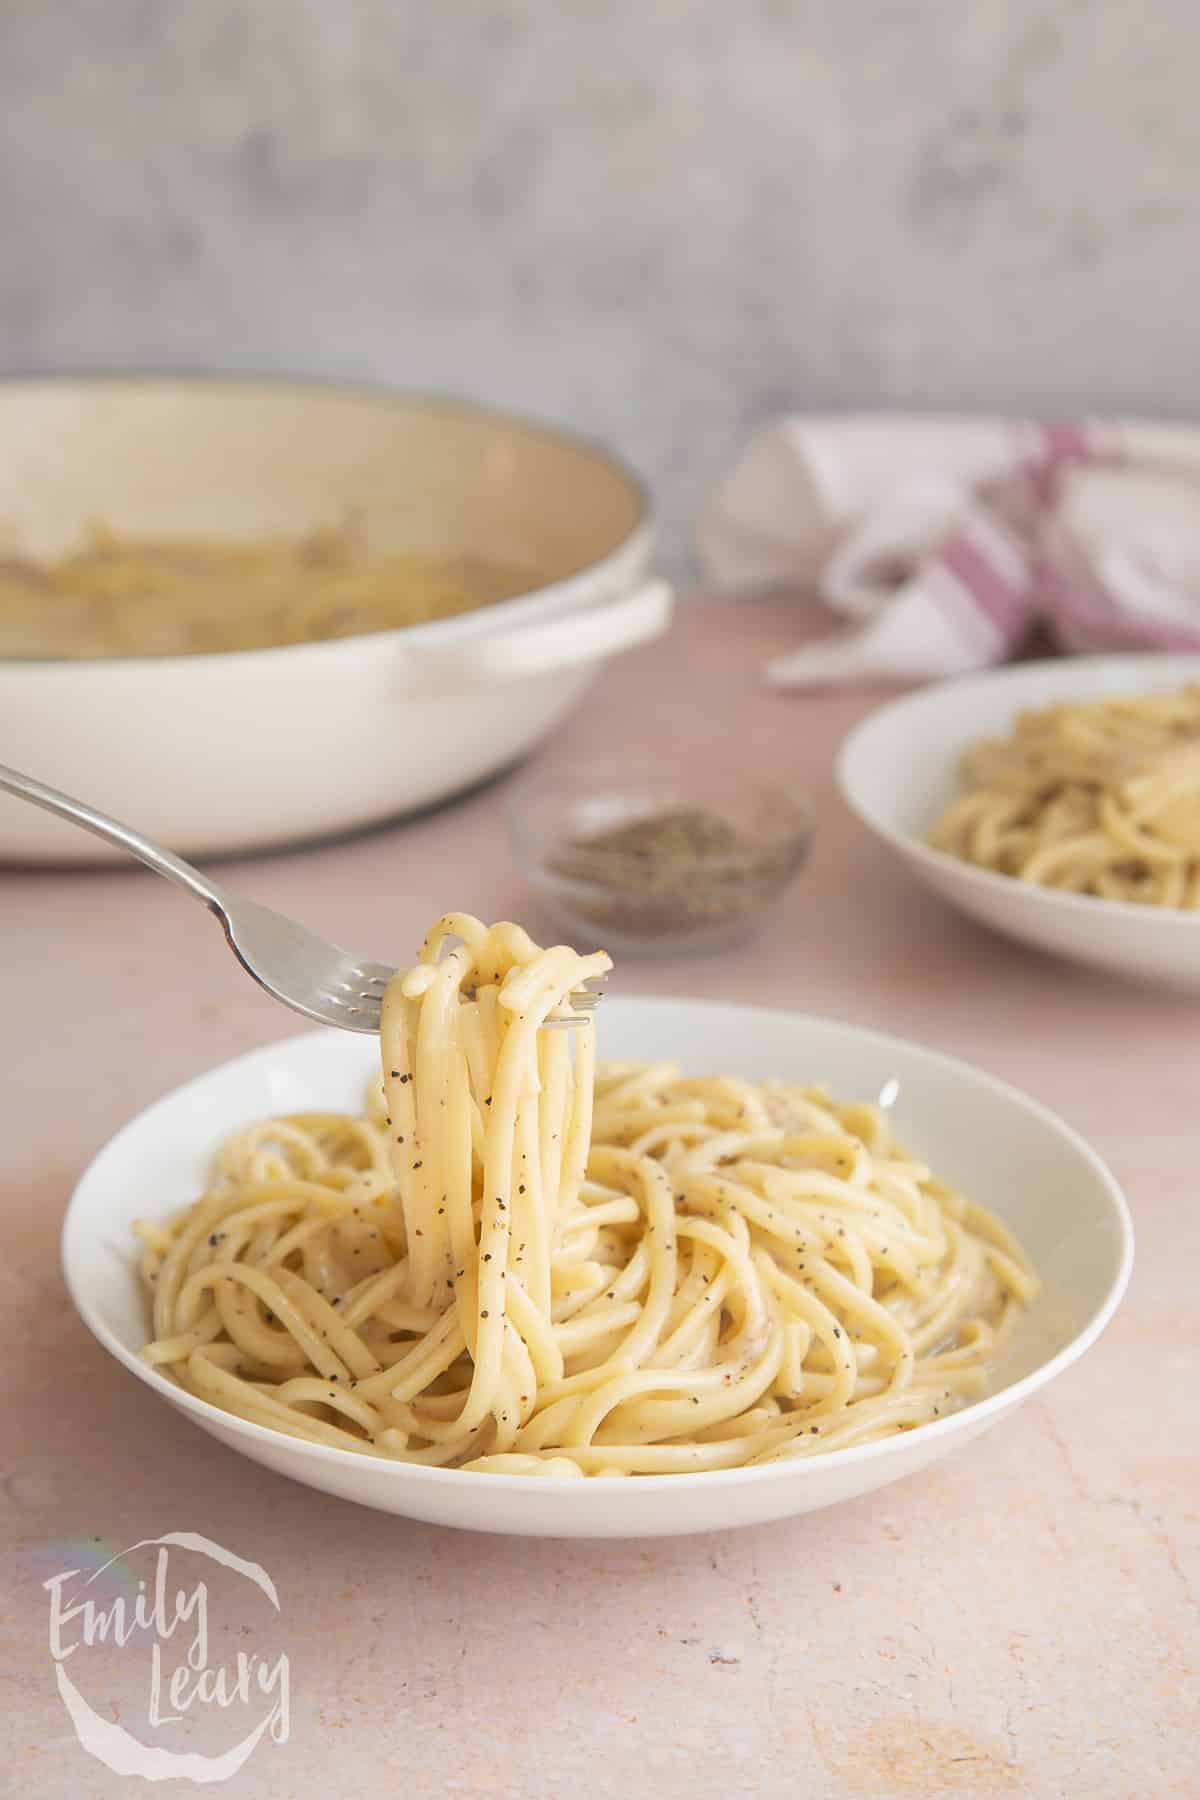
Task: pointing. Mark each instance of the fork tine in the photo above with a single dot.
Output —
(373, 975)
(581, 1003)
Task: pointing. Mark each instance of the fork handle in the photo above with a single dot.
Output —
(163, 862)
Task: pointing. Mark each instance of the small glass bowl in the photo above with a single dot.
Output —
(647, 901)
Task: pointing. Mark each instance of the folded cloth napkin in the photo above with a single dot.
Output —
(946, 540)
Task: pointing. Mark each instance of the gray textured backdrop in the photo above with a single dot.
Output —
(660, 220)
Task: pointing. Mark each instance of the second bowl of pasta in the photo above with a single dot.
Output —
(1058, 802)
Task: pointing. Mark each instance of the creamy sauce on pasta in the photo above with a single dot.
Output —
(183, 597)
(517, 1262)
(1099, 798)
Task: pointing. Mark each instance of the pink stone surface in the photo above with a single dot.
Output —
(1020, 1620)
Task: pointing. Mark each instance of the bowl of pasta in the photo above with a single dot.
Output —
(675, 1267)
(251, 613)
(1057, 801)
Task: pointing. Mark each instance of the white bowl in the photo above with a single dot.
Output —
(899, 771)
(263, 747)
(1002, 1148)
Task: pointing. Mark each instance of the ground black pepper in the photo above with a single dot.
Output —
(678, 871)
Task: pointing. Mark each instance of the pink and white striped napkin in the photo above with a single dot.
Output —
(946, 540)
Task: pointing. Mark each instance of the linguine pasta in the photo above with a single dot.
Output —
(518, 1262)
(118, 596)
(1098, 798)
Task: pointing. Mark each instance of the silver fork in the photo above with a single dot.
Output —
(307, 973)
